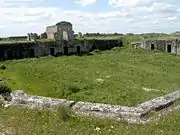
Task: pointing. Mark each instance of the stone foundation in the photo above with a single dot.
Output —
(136, 114)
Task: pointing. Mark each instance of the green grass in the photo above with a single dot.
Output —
(18, 121)
(115, 77)
(14, 42)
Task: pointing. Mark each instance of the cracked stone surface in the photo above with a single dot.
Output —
(160, 101)
(19, 97)
(129, 114)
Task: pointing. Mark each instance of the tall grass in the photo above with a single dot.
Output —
(123, 76)
(16, 121)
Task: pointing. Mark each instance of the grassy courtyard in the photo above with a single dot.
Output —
(123, 76)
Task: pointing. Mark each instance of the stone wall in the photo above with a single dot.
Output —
(50, 30)
(135, 114)
(61, 31)
(65, 32)
(37, 49)
(171, 46)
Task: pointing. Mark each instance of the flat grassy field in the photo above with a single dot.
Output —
(16, 121)
(123, 76)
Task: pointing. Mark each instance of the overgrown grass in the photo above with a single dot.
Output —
(16, 121)
(122, 76)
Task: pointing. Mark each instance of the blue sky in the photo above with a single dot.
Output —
(18, 17)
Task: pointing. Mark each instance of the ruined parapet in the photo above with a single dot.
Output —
(21, 98)
(136, 114)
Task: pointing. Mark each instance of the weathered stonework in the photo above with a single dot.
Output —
(37, 49)
(134, 114)
(19, 97)
(166, 45)
(61, 31)
(63, 43)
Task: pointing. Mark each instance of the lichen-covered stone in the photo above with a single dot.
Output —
(106, 110)
(160, 101)
(19, 97)
(129, 114)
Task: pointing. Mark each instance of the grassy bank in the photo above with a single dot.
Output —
(15, 121)
(123, 76)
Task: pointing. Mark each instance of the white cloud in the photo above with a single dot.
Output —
(85, 2)
(15, 3)
(148, 16)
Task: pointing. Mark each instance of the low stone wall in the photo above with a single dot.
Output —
(21, 98)
(129, 114)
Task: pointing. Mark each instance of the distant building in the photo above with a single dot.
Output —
(61, 31)
(64, 44)
(165, 45)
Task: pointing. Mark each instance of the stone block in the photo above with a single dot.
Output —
(106, 110)
(19, 97)
(160, 101)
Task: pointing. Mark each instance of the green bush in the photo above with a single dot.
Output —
(5, 91)
(2, 67)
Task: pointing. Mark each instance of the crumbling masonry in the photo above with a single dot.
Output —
(165, 45)
(63, 43)
(138, 114)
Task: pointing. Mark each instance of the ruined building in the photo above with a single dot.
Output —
(166, 45)
(61, 31)
(63, 43)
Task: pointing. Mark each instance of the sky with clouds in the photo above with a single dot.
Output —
(18, 17)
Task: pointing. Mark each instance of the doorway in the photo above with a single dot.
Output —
(78, 49)
(169, 48)
(152, 47)
(31, 52)
(52, 51)
(65, 50)
(9, 54)
(15, 55)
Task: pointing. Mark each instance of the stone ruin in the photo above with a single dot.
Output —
(62, 43)
(138, 114)
(61, 31)
(32, 36)
(164, 45)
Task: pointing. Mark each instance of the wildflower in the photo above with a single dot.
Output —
(6, 105)
(97, 129)
(112, 127)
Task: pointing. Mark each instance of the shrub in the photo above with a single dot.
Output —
(5, 92)
(74, 89)
(2, 67)
(97, 51)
